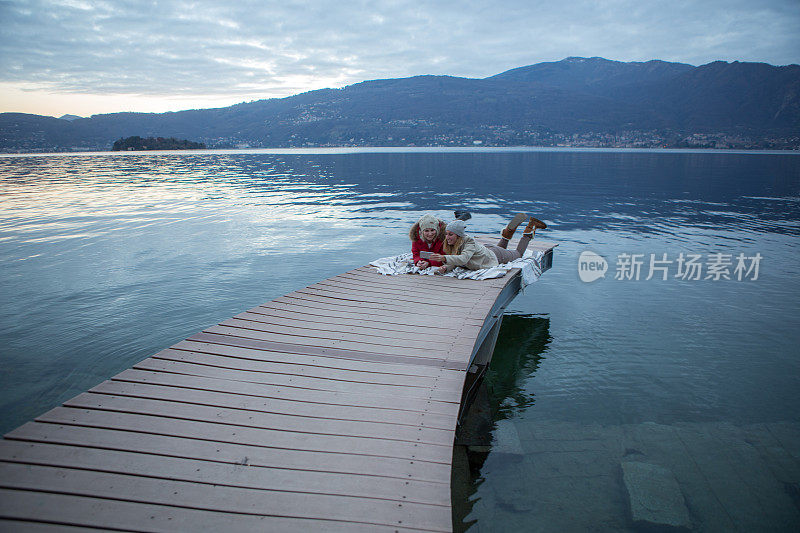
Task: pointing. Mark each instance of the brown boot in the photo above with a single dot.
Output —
(533, 225)
(509, 230)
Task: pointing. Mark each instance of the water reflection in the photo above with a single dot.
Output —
(616, 192)
(521, 345)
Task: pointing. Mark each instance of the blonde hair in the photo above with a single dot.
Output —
(455, 249)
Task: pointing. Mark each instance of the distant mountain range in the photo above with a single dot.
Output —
(574, 102)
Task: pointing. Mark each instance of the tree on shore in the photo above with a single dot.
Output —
(155, 143)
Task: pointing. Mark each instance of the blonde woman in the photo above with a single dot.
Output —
(462, 250)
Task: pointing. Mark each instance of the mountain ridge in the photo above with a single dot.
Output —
(593, 101)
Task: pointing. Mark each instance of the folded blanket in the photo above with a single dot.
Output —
(529, 263)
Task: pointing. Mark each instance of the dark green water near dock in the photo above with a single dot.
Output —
(105, 259)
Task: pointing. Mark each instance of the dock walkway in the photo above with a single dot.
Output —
(330, 408)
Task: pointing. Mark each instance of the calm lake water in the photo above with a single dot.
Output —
(108, 258)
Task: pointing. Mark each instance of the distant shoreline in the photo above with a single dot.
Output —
(334, 150)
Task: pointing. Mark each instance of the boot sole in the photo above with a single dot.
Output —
(538, 224)
(518, 219)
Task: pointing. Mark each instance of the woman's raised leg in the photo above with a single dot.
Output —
(527, 234)
(522, 245)
(509, 230)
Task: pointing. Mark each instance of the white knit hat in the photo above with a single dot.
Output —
(428, 221)
(458, 227)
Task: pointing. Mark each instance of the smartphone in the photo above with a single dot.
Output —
(425, 255)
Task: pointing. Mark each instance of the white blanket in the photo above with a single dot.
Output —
(530, 263)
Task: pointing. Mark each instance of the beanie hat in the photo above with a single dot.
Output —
(428, 221)
(458, 227)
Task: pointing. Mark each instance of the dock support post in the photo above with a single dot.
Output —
(481, 357)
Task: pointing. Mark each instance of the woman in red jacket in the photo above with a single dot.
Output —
(427, 235)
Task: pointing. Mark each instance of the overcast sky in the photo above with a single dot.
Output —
(85, 57)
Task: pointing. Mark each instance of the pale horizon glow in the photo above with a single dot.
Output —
(90, 57)
(16, 99)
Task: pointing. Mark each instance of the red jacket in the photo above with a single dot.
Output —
(419, 245)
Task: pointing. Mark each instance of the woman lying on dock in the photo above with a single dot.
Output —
(461, 250)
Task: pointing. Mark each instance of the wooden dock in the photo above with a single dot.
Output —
(331, 408)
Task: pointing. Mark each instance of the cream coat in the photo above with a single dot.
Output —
(473, 256)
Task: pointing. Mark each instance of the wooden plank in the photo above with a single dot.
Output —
(309, 396)
(363, 301)
(312, 322)
(328, 351)
(432, 312)
(316, 317)
(355, 376)
(375, 320)
(419, 295)
(223, 498)
(410, 341)
(120, 515)
(417, 339)
(299, 383)
(369, 273)
(377, 288)
(233, 453)
(439, 299)
(234, 475)
(260, 419)
(413, 283)
(407, 285)
(322, 362)
(383, 314)
(423, 316)
(39, 527)
(329, 341)
(370, 316)
(317, 442)
(232, 400)
(430, 294)
(381, 302)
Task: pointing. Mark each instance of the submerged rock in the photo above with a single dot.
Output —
(516, 498)
(656, 501)
(506, 439)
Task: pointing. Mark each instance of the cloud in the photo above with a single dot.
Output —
(252, 49)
